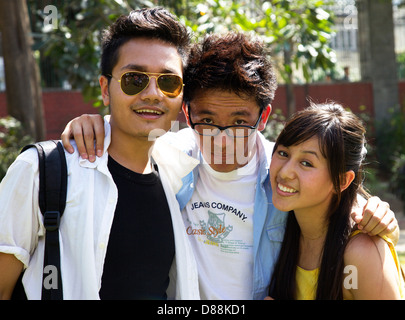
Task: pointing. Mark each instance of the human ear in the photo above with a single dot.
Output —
(103, 80)
(185, 111)
(265, 118)
(347, 179)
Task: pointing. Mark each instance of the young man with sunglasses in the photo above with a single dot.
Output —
(121, 234)
(235, 231)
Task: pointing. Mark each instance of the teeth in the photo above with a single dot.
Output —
(148, 111)
(286, 189)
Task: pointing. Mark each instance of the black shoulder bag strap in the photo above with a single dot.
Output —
(52, 202)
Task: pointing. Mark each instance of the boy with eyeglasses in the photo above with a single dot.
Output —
(235, 231)
(121, 233)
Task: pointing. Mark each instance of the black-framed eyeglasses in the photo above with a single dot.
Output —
(234, 131)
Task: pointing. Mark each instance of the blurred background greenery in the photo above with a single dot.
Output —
(311, 41)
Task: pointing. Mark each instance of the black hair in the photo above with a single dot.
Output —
(155, 23)
(341, 141)
(234, 62)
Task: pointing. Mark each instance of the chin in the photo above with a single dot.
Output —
(223, 167)
(280, 204)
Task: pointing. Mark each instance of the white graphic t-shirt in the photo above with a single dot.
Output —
(219, 223)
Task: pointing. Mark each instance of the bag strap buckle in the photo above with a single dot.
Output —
(51, 220)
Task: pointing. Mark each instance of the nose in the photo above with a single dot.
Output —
(152, 92)
(222, 139)
(287, 170)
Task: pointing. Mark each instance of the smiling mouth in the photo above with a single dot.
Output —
(286, 189)
(148, 112)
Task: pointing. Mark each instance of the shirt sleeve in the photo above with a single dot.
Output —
(20, 224)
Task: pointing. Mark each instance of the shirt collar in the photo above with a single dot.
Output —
(175, 162)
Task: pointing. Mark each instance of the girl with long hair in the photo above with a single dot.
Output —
(316, 174)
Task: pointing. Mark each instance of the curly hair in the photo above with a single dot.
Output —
(236, 62)
(155, 23)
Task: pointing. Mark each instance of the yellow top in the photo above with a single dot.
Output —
(307, 280)
(307, 283)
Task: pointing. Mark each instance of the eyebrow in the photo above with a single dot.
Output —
(310, 152)
(211, 113)
(136, 67)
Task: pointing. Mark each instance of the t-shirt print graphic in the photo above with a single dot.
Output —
(215, 227)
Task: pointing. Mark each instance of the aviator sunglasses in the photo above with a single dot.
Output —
(134, 82)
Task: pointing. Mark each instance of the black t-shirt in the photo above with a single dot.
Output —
(141, 245)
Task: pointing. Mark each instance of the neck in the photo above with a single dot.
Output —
(244, 151)
(312, 230)
(133, 154)
(313, 233)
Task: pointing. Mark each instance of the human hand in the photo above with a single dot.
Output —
(85, 129)
(376, 218)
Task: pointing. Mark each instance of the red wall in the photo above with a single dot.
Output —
(59, 107)
(62, 106)
(350, 95)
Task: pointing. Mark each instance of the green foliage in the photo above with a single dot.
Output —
(397, 180)
(274, 125)
(401, 65)
(12, 139)
(384, 167)
(391, 138)
(215, 16)
(391, 150)
(73, 48)
(302, 28)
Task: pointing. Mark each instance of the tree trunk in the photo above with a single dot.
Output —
(289, 85)
(378, 65)
(377, 53)
(23, 90)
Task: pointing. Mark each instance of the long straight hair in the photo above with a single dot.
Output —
(341, 141)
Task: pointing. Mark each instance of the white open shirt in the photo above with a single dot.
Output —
(86, 222)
